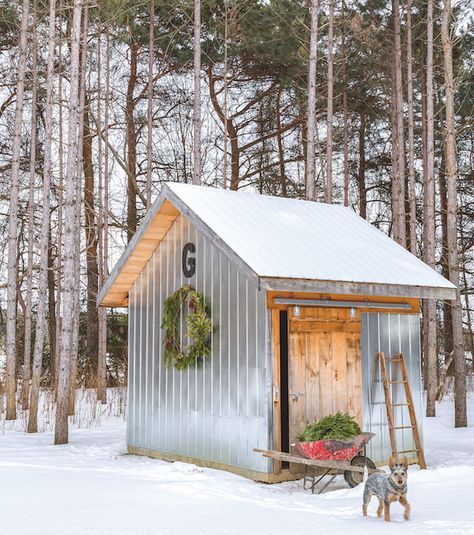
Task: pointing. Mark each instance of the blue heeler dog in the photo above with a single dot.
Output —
(388, 488)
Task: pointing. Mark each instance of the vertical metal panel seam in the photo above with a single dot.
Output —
(204, 364)
(160, 350)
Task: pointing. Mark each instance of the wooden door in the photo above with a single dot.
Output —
(324, 366)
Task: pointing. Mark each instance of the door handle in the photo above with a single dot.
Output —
(276, 394)
(295, 396)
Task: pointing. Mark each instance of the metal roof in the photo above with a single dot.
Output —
(289, 244)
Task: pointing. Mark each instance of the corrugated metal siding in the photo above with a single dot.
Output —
(390, 333)
(221, 410)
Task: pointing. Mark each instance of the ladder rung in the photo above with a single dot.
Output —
(400, 404)
(405, 427)
(395, 360)
(396, 382)
(408, 451)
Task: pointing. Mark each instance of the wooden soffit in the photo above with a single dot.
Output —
(114, 293)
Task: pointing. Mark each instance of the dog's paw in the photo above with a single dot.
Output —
(406, 516)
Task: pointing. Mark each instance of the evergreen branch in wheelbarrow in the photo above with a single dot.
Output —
(337, 426)
(336, 437)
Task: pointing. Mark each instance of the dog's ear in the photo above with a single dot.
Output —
(405, 461)
(392, 461)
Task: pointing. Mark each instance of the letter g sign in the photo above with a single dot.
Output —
(189, 260)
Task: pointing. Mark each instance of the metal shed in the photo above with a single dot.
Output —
(303, 295)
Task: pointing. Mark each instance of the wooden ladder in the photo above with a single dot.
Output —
(398, 358)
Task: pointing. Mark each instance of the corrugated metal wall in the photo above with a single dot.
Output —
(390, 333)
(221, 410)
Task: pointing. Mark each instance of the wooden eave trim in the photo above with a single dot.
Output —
(155, 225)
(356, 288)
(414, 302)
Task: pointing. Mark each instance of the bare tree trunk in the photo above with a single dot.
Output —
(429, 234)
(362, 167)
(328, 188)
(90, 227)
(51, 308)
(77, 271)
(44, 232)
(311, 122)
(281, 154)
(345, 108)
(452, 221)
(10, 377)
(102, 317)
(225, 74)
(398, 185)
(395, 174)
(102, 363)
(59, 237)
(149, 143)
(31, 221)
(443, 198)
(70, 221)
(197, 92)
(131, 136)
(411, 139)
(231, 132)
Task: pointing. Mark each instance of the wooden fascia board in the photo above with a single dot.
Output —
(126, 255)
(222, 246)
(365, 288)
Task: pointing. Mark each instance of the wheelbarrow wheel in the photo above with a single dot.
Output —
(355, 478)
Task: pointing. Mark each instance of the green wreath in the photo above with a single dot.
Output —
(199, 323)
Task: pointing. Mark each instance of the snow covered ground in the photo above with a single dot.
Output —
(91, 486)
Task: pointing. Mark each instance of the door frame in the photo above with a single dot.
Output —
(274, 310)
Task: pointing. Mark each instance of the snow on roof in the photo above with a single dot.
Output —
(282, 244)
(296, 239)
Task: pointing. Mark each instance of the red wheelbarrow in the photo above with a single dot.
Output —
(348, 450)
(332, 457)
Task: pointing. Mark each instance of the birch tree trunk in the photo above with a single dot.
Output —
(411, 138)
(345, 108)
(102, 318)
(398, 181)
(395, 174)
(77, 240)
(102, 358)
(197, 92)
(59, 236)
(10, 377)
(31, 221)
(311, 122)
(41, 319)
(330, 103)
(225, 74)
(460, 410)
(70, 221)
(149, 143)
(429, 306)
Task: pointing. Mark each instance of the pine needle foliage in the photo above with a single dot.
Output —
(337, 426)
